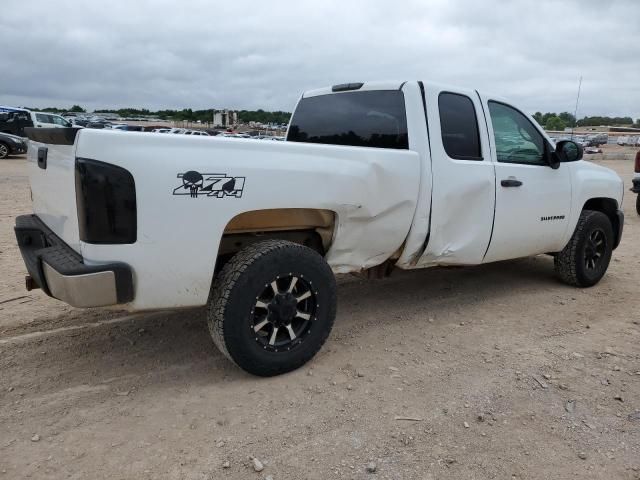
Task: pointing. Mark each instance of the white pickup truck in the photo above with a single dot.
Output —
(372, 176)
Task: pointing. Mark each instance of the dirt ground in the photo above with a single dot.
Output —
(505, 373)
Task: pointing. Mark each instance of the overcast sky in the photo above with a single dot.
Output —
(263, 54)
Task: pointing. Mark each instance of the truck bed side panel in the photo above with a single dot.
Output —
(372, 191)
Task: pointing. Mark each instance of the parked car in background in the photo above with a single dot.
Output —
(80, 121)
(629, 140)
(49, 120)
(196, 133)
(14, 120)
(597, 139)
(161, 130)
(11, 145)
(581, 140)
(98, 125)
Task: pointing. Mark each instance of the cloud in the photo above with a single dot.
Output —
(244, 54)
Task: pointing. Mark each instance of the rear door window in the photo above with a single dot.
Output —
(459, 126)
(363, 119)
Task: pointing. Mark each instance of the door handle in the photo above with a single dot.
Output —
(510, 182)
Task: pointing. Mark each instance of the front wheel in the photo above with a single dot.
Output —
(4, 151)
(585, 259)
(272, 306)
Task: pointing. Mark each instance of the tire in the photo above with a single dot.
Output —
(585, 259)
(638, 204)
(244, 309)
(4, 150)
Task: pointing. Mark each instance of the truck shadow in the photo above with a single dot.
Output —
(164, 349)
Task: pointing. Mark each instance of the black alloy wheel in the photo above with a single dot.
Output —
(594, 249)
(585, 259)
(272, 306)
(283, 312)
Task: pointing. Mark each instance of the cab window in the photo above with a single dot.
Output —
(517, 140)
(361, 119)
(44, 118)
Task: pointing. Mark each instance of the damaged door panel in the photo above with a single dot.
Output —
(463, 194)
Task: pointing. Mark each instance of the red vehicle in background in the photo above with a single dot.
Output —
(636, 181)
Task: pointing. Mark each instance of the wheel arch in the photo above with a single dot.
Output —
(609, 207)
(312, 227)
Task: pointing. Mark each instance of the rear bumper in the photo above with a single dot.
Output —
(636, 185)
(60, 272)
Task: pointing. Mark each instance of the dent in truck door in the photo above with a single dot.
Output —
(463, 178)
(532, 199)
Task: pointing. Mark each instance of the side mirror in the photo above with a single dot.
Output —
(568, 151)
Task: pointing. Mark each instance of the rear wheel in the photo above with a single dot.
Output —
(272, 307)
(585, 259)
(4, 151)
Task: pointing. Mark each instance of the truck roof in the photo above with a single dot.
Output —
(388, 85)
(360, 86)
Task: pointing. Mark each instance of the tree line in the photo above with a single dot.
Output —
(204, 116)
(549, 120)
(560, 121)
(187, 114)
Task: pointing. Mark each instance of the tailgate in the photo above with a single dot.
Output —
(52, 180)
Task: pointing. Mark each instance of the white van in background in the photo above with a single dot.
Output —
(49, 120)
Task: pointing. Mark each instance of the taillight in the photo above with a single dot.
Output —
(106, 202)
(637, 166)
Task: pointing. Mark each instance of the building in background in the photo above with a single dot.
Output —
(225, 118)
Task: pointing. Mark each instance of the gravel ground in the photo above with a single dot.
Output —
(497, 371)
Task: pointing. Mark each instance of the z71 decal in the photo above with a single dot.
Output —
(217, 185)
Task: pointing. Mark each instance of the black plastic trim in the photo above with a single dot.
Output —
(636, 185)
(38, 243)
(425, 244)
(42, 157)
(343, 87)
(618, 237)
(52, 136)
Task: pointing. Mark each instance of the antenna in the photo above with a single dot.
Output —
(575, 112)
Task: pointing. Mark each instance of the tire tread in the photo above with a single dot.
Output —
(224, 284)
(565, 261)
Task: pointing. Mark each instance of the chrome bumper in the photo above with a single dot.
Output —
(61, 273)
